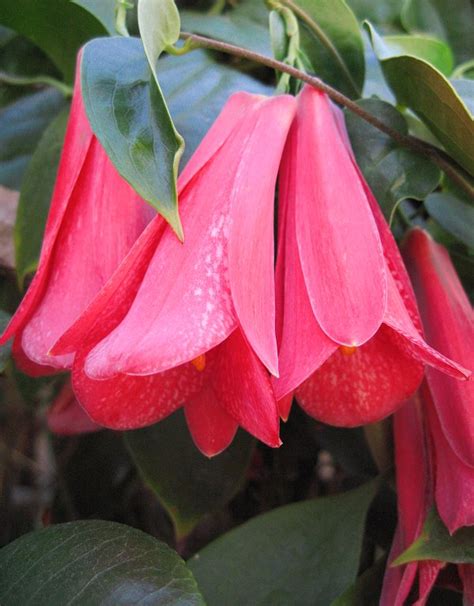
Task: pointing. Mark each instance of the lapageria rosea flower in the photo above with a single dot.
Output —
(349, 334)
(94, 219)
(433, 431)
(193, 324)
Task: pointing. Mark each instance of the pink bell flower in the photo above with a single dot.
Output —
(66, 417)
(193, 324)
(350, 343)
(94, 219)
(433, 432)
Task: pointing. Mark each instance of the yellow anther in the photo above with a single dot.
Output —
(348, 350)
(199, 362)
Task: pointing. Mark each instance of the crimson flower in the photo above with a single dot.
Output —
(193, 324)
(433, 431)
(349, 334)
(94, 219)
(66, 417)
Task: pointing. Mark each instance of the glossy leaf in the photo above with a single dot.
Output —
(386, 12)
(331, 40)
(450, 20)
(188, 484)
(366, 590)
(306, 553)
(4, 349)
(245, 25)
(453, 215)
(35, 196)
(128, 114)
(93, 562)
(22, 123)
(435, 543)
(433, 99)
(102, 10)
(393, 173)
(58, 27)
(465, 89)
(217, 81)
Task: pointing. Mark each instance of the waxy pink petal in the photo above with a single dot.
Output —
(211, 427)
(449, 325)
(303, 346)
(364, 386)
(184, 306)
(340, 250)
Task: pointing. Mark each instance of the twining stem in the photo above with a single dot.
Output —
(437, 156)
(14, 80)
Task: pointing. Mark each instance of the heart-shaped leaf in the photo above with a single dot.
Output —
(187, 483)
(454, 215)
(306, 553)
(103, 11)
(93, 562)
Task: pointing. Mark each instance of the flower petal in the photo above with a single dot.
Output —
(251, 249)
(303, 346)
(243, 388)
(184, 306)
(77, 141)
(364, 386)
(449, 326)
(211, 427)
(103, 219)
(340, 250)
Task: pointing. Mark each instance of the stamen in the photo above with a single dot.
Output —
(199, 362)
(348, 350)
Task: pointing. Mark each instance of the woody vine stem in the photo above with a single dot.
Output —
(437, 156)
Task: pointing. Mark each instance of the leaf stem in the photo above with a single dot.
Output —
(436, 155)
(14, 80)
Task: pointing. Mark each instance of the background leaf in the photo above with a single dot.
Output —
(306, 553)
(433, 99)
(5, 350)
(450, 20)
(35, 196)
(102, 10)
(386, 12)
(22, 123)
(392, 172)
(367, 588)
(245, 25)
(454, 215)
(331, 40)
(188, 484)
(435, 543)
(58, 27)
(93, 562)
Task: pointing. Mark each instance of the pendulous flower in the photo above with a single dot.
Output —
(193, 324)
(350, 343)
(94, 219)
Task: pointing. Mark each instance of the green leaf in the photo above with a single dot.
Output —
(102, 10)
(94, 563)
(450, 20)
(58, 27)
(385, 13)
(217, 81)
(5, 350)
(453, 215)
(465, 89)
(22, 124)
(392, 172)
(35, 196)
(188, 484)
(433, 99)
(331, 40)
(435, 543)
(245, 25)
(306, 553)
(366, 590)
